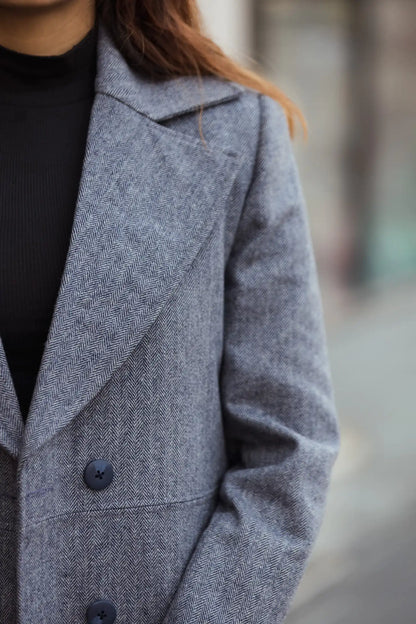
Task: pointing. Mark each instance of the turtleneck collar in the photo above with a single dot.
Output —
(38, 79)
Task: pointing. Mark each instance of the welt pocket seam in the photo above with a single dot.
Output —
(144, 507)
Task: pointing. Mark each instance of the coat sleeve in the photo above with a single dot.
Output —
(279, 414)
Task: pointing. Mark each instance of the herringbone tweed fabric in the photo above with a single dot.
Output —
(187, 349)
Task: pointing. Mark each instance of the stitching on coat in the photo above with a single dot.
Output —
(145, 507)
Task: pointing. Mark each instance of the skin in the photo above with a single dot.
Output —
(44, 27)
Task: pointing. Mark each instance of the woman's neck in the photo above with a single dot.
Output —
(45, 27)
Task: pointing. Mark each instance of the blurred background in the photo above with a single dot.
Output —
(350, 66)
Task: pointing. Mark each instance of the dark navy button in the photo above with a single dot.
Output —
(98, 474)
(101, 612)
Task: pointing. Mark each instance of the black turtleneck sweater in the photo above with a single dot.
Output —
(45, 105)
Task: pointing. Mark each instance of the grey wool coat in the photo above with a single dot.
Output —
(174, 465)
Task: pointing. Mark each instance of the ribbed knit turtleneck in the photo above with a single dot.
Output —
(45, 105)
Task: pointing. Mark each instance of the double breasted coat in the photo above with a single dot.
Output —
(174, 464)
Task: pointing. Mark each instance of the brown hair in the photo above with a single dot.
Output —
(165, 38)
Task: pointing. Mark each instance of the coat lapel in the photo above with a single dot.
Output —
(11, 422)
(148, 198)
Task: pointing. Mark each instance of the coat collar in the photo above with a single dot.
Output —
(158, 101)
(148, 198)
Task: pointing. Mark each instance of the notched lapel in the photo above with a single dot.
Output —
(148, 198)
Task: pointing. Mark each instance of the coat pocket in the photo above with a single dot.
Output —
(133, 556)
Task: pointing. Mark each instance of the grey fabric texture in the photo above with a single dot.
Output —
(187, 348)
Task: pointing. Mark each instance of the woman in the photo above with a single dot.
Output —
(168, 425)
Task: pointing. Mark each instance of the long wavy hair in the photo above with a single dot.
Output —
(165, 38)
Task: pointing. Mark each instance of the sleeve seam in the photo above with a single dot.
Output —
(253, 172)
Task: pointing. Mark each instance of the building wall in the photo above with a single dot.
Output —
(229, 23)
